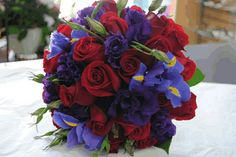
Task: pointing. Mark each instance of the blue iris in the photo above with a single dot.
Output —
(164, 78)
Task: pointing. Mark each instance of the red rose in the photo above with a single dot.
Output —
(88, 50)
(137, 8)
(109, 5)
(189, 66)
(148, 142)
(161, 43)
(129, 65)
(114, 23)
(50, 65)
(159, 24)
(100, 80)
(98, 123)
(65, 30)
(75, 94)
(140, 133)
(186, 111)
(178, 38)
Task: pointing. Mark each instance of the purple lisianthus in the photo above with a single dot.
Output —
(139, 27)
(77, 111)
(115, 45)
(162, 127)
(136, 107)
(86, 12)
(68, 71)
(59, 43)
(50, 90)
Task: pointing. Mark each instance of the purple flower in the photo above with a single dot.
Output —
(115, 45)
(161, 126)
(79, 133)
(68, 71)
(77, 111)
(86, 12)
(136, 107)
(164, 78)
(58, 44)
(139, 27)
(50, 91)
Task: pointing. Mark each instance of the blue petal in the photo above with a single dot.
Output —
(177, 65)
(78, 34)
(92, 142)
(79, 132)
(72, 138)
(64, 121)
(184, 91)
(141, 72)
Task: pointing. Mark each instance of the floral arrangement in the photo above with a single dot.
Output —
(116, 77)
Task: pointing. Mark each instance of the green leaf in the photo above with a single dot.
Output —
(96, 27)
(160, 56)
(105, 145)
(75, 26)
(50, 133)
(39, 118)
(96, 154)
(129, 147)
(197, 78)
(55, 142)
(40, 115)
(162, 10)
(121, 5)
(14, 30)
(96, 9)
(62, 133)
(54, 104)
(155, 5)
(22, 35)
(166, 145)
(38, 111)
(38, 78)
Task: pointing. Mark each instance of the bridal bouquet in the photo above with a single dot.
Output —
(116, 77)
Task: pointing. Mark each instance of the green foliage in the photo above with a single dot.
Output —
(166, 145)
(129, 147)
(155, 5)
(162, 10)
(96, 9)
(121, 5)
(197, 78)
(38, 78)
(96, 27)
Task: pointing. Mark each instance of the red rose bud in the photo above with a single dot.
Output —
(109, 5)
(50, 66)
(65, 30)
(137, 8)
(189, 66)
(75, 94)
(186, 111)
(96, 27)
(148, 142)
(140, 133)
(114, 23)
(98, 123)
(161, 43)
(87, 49)
(100, 80)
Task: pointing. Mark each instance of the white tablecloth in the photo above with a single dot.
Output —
(211, 134)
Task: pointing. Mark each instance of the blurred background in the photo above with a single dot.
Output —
(25, 27)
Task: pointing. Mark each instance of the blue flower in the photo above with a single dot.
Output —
(58, 44)
(164, 78)
(139, 27)
(79, 133)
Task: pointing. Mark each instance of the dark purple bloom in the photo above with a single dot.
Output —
(115, 45)
(136, 107)
(162, 127)
(139, 27)
(86, 12)
(58, 44)
(50, 91)
(68, 71)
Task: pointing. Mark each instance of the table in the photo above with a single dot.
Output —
(211, 134)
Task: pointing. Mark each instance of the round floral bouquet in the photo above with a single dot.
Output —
(115, 78)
